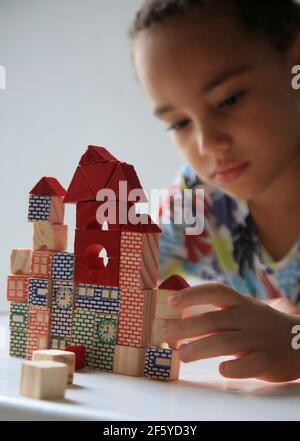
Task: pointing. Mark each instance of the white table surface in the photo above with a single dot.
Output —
(200, 394)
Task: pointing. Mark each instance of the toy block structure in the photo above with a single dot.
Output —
(100, 302)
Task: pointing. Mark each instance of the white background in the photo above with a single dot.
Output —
(70, 83)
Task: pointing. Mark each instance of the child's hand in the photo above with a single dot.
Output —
(259, 335)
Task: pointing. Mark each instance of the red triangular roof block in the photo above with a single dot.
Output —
(174, 283)
(95, 154)
(78, 189)
(125, 172)
(97, 175)
(48, 186)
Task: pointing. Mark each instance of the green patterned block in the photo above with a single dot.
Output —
(18, 318)
(18, 343)
(103, 357)
(59, 343)
(83, 332)
(105, 329)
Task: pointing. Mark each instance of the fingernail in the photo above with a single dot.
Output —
(174, 300)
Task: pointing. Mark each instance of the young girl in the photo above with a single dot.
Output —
(218, 74)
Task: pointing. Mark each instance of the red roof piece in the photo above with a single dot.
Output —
(48, 186)
(79, 189)
(143, 227)
(97, 175)
(174, 283)
(125, 172)
(96, 154)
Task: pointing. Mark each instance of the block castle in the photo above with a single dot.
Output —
(104, 295)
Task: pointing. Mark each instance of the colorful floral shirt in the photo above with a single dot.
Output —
(228, 250)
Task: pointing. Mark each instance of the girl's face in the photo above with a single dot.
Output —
(226, 98)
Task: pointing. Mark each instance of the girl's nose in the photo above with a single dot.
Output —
(211, 140)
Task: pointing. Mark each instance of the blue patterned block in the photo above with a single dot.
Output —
(63, 266)
(39, 292)
(62, 309)
(98, 298)
(39, 208)
(158, 363)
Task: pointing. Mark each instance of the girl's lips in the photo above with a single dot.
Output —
(231, 174)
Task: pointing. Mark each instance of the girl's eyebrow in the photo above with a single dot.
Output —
(212, 84)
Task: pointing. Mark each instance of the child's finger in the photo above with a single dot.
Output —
(249, 366)
(217, 345)
(206, 294)
(204, 324)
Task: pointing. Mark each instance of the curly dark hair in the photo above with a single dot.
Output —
(276, 20)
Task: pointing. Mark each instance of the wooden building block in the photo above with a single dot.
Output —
(41, 264)
(18, 317)
(18, 343)
(163, 310)
(129, 361)
(55, 355)
(139, 254)
(20, 261)
(40, 292)
(49, 237)
(62, 309)
(59, 343)
(135, 317)
(44, 380)
(38, 329)
(156, 339)
(63, 266)
(46, 209)
(79, 352)
(162, 364)
(17, 289)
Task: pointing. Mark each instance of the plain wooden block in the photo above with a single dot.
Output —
(44, 380)
(156, 339)
(55, 355)
(20, 261)
(129, 361)
(163, 310)
(50, 237)
(57, 210)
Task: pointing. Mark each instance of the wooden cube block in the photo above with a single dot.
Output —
(61, 356)
(129, 361)
(44, 380)
(20, 261)
(17, 289)
(41, 264)
(44, 208)
(50, 237)
(156, 339)
(163, 310)
(162, 364)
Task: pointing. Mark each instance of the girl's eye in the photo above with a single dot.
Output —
(179, 125)
(232, 100)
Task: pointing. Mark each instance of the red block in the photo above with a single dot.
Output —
(98, 175)
(174, 283)
(79, 189)
(91, 270)
(79, 352)
(125, 172)
(48, 186)
(96, 154)
(91, 242)
(86, 215)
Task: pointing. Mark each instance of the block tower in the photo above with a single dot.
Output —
(35, 273)
(104, 296)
